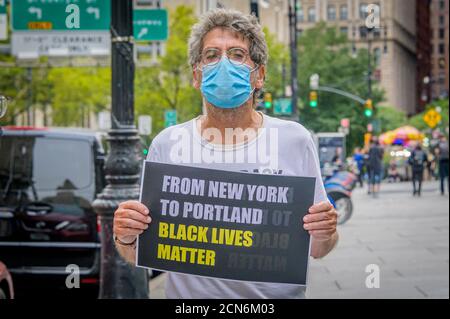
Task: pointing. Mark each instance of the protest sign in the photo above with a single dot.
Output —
(228, 225)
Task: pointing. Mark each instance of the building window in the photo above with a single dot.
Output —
(441, 33)
(363, 11)
(331, 13)
(312, 14)
(344, 31)
(362, 32)
(442, 4)
(441, 48)
(442, 20)
(343, 12)
(300, 15)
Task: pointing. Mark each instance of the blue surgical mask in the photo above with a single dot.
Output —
(227, 85)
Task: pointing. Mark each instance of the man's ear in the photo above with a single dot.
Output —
(261, 77)
(197, 75)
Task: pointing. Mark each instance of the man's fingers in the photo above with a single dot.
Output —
(310, 218)
(132, 214)
(130, 223)
(322, 225)
(321, 207)
(135, 205)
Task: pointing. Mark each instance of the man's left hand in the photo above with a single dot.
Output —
(321, 221)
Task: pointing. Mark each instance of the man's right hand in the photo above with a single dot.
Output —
(130, 219)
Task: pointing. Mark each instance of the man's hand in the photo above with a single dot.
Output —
(321, 223)
(130, 219)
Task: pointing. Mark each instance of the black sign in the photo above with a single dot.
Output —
(222, 224)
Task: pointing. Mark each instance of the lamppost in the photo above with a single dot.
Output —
(119, 279)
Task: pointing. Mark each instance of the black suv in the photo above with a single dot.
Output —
(49, 179)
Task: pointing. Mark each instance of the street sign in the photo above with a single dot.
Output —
(150, 25)
(32, 44)
(145, 124)
(432, 118)
(3, 21)
(170, 118)
(314, 82)
(60, 15)
(282, 107)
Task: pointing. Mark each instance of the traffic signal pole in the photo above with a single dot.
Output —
(294, 55)
(118, 278)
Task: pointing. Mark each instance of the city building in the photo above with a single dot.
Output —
(439, 52)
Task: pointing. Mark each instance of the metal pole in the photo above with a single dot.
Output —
(30, 95)
(120, 279)
(369, 63)
(294, 52)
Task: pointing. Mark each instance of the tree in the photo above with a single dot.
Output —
(278, 66)
(168, 84)
(323, 50)
(418, 122)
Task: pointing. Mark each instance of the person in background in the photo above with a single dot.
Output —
(417, 160)
(442, 154)
(358, 157)
(393, 174)
(375, 165)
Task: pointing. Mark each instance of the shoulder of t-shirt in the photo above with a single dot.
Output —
(164, 136)
(291, 130)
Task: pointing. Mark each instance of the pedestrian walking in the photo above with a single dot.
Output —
(442, 155)
(375, 165)
(358, 157)
(418, 160)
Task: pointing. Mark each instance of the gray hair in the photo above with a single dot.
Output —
(243, 24)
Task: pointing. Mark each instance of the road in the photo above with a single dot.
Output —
(406, 237)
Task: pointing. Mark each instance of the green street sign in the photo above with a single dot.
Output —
(2, 6)
(60, 15)
(150, 25)
(282, 107)
(170, 118)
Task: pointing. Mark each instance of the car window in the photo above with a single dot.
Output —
(45, 163)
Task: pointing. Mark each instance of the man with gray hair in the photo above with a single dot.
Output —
(228, 54)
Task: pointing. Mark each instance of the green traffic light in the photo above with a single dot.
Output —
(368, 113)
(267, 105)
(313, 104)
(145, 151)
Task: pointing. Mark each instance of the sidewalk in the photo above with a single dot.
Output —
(407, 237)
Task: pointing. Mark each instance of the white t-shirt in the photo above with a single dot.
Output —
(281, 147)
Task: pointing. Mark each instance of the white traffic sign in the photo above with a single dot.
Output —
(314, 81)
(57, 43)
(145, 124)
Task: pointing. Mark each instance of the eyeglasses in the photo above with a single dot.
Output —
(213, 56)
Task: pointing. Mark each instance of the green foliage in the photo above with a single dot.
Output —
(323, 50)
(418, 122)
(391, 118)
(77, 92)
(278, 60)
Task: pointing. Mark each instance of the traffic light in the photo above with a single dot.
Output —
(368, 108)
(313, 99)
(268, 100)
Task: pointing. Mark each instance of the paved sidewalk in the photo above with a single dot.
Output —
(407, 237)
